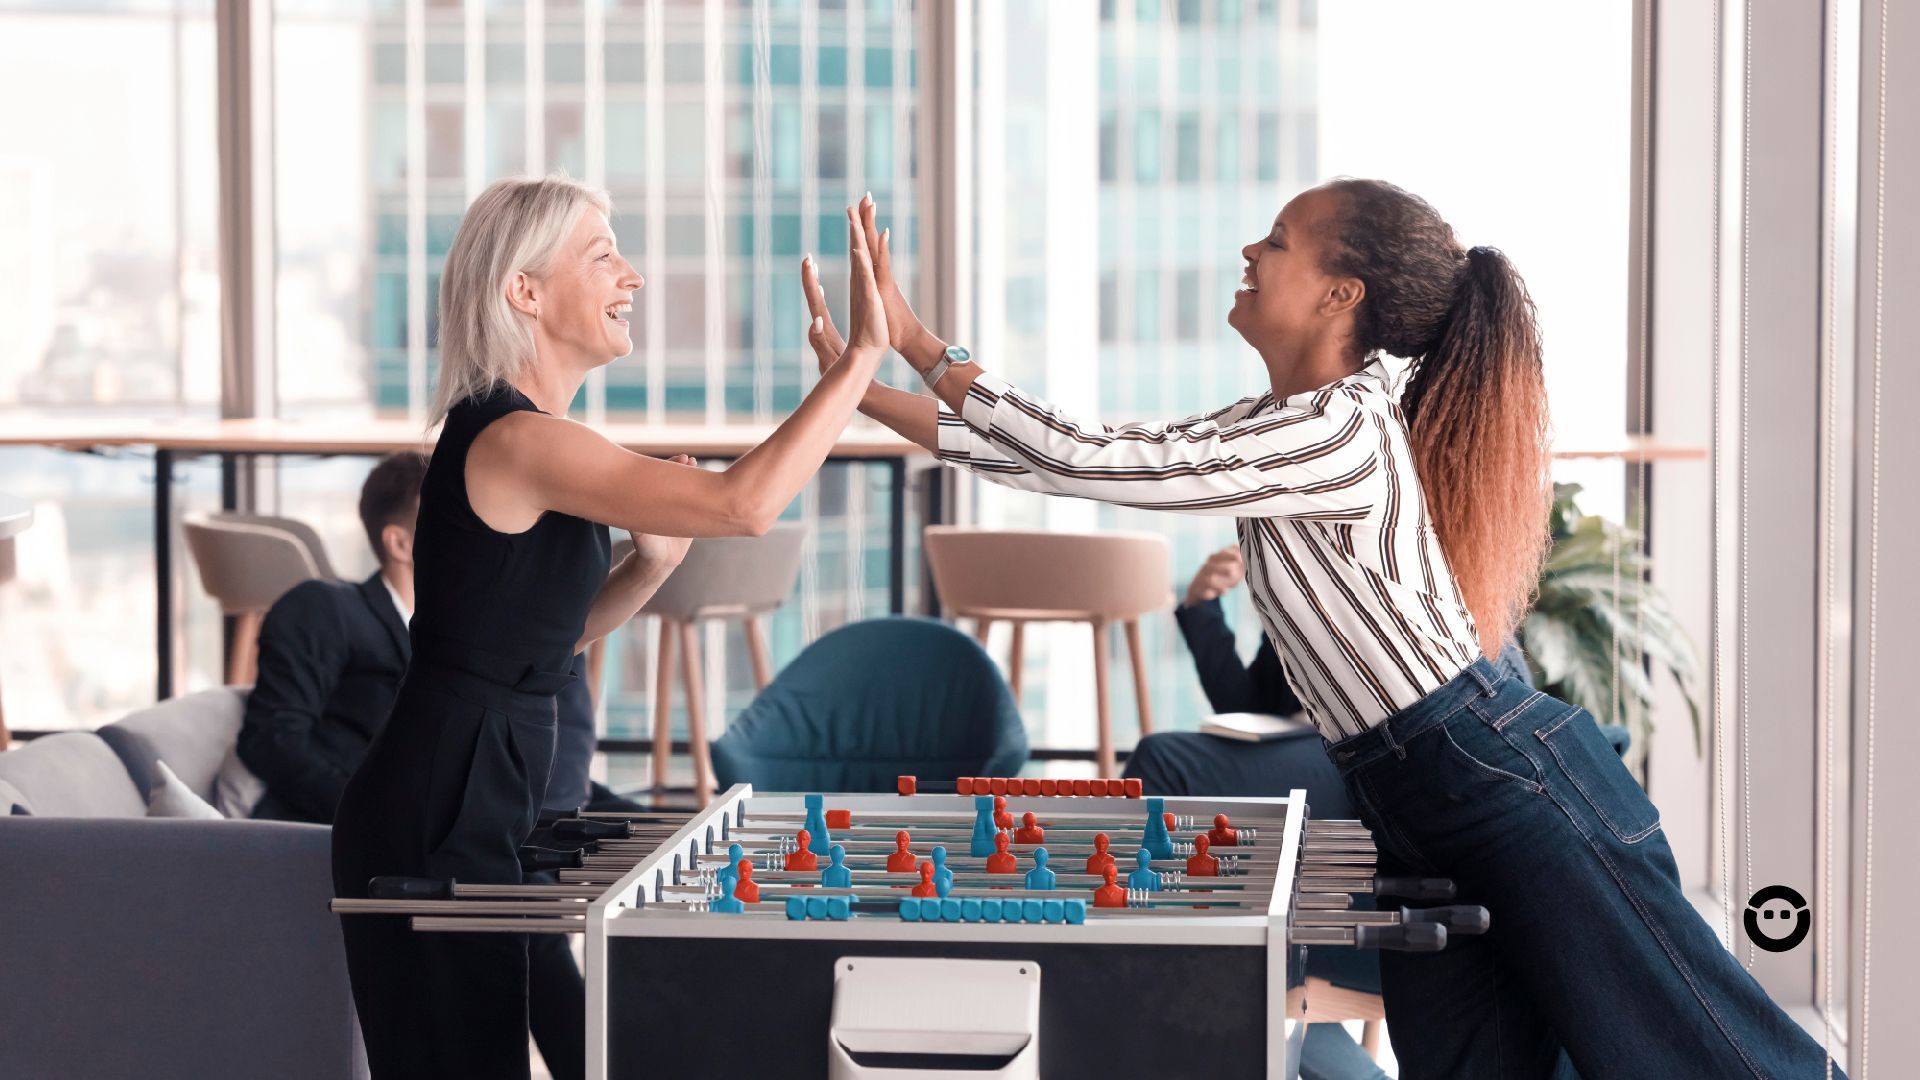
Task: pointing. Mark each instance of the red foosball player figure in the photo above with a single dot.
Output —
(926, 887)
(1223, 834)
(902, 860)
(1030, 831)
(1001, 819)
(801, 858)
(1002, 860)
(744, 889)
(1201, 864)
(1100, 858)
(1109, 894)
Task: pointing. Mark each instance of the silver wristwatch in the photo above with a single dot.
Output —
(954, 354)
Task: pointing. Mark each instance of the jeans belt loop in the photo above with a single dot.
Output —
(1486, 685)
(1386, 732)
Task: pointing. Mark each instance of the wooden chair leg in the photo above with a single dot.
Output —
(244, 662)
(1015, 665)
(696, 715)
(1103, 755)
(1370, 1039)
(1139, 658)
(663, 707)
(757, 652)
(981, 628)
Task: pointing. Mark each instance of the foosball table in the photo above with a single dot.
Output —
(990, 927)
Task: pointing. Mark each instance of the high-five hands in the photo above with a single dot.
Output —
(868, 243)
(867, 309)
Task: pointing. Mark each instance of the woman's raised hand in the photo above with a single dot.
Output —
(821, 333)
(866, 309)
(903, 326)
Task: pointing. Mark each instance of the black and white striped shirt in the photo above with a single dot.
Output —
(1344, 565)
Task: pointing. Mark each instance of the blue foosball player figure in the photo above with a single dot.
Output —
(1146, 878)
(726, 904)
(941, 875)
(816, 824)
(731, 871)
(1040, 878)
(837, 876)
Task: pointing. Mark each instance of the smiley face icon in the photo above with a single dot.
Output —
(1769, 913)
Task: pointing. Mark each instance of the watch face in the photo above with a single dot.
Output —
(958, 354)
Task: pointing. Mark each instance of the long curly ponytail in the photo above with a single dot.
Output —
(1475, 401)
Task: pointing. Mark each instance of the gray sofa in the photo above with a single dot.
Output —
(153, 948)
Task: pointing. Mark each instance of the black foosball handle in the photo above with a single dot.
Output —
(549, 816)
(1457, 918)
(1414, 888)
(399, 887)
(578, 830)
(535, 859)
(1406, 937)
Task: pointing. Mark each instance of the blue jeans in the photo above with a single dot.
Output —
(1594, 951)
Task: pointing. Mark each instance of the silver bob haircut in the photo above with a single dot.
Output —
(516, 225)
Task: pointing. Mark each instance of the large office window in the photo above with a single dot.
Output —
(730, 135)
(1116, 185)
(107, 204)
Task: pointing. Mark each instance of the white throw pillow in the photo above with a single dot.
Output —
(173, 798)
(236, 791)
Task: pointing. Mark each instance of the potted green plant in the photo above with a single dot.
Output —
(1599, 629)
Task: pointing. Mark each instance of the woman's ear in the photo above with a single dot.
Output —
(522, 294)
(1345, 295)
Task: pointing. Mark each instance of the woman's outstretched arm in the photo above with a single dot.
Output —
(568, 467)
(1321, 459)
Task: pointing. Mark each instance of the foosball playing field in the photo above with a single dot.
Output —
(991, 928)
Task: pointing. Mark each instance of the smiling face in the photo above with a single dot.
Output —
(1287, 301)
(581, 304)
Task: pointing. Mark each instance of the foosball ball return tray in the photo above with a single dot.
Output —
(991, 928)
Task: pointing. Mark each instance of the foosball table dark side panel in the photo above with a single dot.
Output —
(692, 1008)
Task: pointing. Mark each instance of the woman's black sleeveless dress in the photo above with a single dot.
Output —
(454, 783)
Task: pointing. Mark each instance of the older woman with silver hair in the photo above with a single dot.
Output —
(512, 579)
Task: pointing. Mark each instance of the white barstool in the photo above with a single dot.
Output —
(1022, 577)
(741, 578)
(246, 566)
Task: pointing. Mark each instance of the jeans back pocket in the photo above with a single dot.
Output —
(1590, 764)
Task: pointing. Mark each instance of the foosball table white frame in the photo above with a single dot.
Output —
(620, 911)
(878, 988)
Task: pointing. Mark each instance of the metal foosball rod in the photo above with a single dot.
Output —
(1415, 937)
(945, 830)
(543, 908)
(1402, 888)
(497, 926)
(1457, 918)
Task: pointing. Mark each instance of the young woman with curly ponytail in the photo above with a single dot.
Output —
(1393, 530)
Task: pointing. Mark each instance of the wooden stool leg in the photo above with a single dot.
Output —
(696, 716)
(1015, 663)
(1103, 755)
(244, 662)
(981, 628)
(663, 706)
(1370, 1039)
(757, 651)
(1138, 656)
